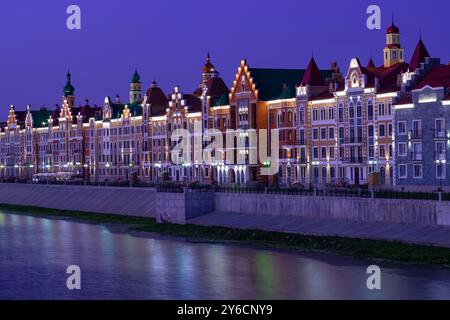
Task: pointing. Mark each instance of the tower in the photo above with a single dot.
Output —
(69, 91)
(209, 71)
(393, 52)
(135, 88)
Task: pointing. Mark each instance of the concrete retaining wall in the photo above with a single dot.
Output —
(355, 209)
(125, 201)
(179, 207)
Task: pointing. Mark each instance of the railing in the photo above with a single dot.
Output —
(337, 190)
(440, 156)
(354, 159)
(416, 156)
(440, 134)
(416, 134)
(353, 140)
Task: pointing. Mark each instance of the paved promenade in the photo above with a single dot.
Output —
(417, 234)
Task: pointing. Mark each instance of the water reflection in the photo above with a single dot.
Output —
(35, 253)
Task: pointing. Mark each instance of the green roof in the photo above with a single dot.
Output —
(40, 118)
(117, 109)
(224, 100)
(274, 84)
(136, 78)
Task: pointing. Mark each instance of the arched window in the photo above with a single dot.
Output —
(302, 116)
(351, 110)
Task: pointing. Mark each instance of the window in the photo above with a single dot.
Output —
(417, 151)
(440, 171)
(331, 152)
(316, 153)
(417, 171)
(315, 115)
(370, 131)
(302, 116)
(390, 130)
(402, 171)
(381, 110)
(401, 127)
(417, 129)
(382, 130)
(341, 113)
(440, 128)
(331, 113)
(323, 133)
(382, 151)
(331, 133)
(440, 150)
(324, 153)
(324, 172)
(370, 111)
(351, 110)
(402, 150)
(358, 110)
(315, 134)
(371, 152)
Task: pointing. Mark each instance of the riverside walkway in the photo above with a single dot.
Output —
(414, 234)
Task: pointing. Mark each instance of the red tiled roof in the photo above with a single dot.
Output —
(392, 29)
(312, 75)
(437, 77)
(419, 55)
(322, 95)
(387, 77)
(156, 99)
(370, 64)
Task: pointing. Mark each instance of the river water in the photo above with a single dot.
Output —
(35, 253)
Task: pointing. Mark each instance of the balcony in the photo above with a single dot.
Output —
(352, 140)
(416, 156)
(440, 134)
(440, 156)
(416, 134)
(354, 160)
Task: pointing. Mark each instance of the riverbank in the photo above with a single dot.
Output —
(367, 249)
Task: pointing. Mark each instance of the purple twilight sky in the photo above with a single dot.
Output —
(168, 41)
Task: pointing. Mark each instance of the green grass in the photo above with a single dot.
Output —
(358, 248)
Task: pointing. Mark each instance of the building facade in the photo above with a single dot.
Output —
(384, 125)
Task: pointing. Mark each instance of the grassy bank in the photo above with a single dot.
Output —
(373, 249)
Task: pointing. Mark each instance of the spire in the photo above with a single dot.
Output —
(68, 88)
(12, 115)
(419, 55)
(136, 78)
(392, 28)
(312, 75)
(208, 67)
(370, 64)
